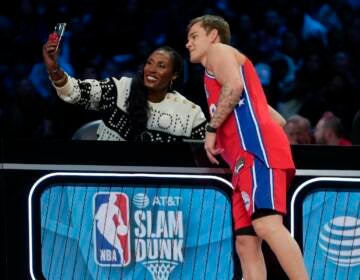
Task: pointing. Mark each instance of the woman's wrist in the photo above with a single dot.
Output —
(56, 73)
(62, 81)
(58, 76)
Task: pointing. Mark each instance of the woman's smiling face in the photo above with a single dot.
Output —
(158, 71)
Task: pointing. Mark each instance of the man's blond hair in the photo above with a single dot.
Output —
(210, 22)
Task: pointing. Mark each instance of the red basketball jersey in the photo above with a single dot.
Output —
(249, 128)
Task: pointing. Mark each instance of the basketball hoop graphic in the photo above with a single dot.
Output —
(160, 270)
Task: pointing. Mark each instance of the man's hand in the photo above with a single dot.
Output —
(210, 147)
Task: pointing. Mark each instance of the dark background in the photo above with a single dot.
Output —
(308, 48)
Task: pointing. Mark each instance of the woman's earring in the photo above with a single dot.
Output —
(171, 85)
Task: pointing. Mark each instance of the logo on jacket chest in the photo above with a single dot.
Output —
(173, 123)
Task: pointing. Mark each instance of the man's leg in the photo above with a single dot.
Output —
(248, 248)
(271, 229)
(248, 245)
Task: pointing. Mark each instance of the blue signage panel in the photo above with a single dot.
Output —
(330, 227)
(131, 227)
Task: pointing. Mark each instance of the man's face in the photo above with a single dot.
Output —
(197, 43)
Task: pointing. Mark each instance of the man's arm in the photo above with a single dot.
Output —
(225, 67)
(275, 115)
(222, 62)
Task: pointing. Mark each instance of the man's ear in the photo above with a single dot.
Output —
(214, 35)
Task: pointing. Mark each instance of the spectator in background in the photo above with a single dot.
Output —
(143, 108)
(329, 131)
(298, 130)
(292, 130)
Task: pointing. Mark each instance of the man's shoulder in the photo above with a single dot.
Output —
(219, 50)
(224, 47)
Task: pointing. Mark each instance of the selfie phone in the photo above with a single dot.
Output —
(59, 31)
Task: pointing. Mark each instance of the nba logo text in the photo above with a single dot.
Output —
(158, 232)
(111, 229)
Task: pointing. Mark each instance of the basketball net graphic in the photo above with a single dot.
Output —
(160, 270)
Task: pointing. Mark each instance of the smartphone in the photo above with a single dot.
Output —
(59, 30)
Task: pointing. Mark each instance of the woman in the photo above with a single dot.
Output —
(143, 108)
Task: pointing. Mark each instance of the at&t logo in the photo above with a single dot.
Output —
(340, 240)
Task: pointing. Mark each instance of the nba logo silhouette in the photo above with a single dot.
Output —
(111, 229)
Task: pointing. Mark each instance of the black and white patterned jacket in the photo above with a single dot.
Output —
(173, 119)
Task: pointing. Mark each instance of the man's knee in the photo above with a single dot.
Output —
(246, 243)
(267, 225)
(241, 244)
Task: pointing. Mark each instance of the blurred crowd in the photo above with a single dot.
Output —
(305, 51)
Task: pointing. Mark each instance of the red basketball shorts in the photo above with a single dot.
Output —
(257, 187)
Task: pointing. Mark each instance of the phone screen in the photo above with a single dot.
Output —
(60, 29)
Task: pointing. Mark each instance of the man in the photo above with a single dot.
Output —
(329, 131)
(247, 134)
(298, 130)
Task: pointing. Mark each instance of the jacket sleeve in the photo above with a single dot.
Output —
(90, 94)
(198, 129)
